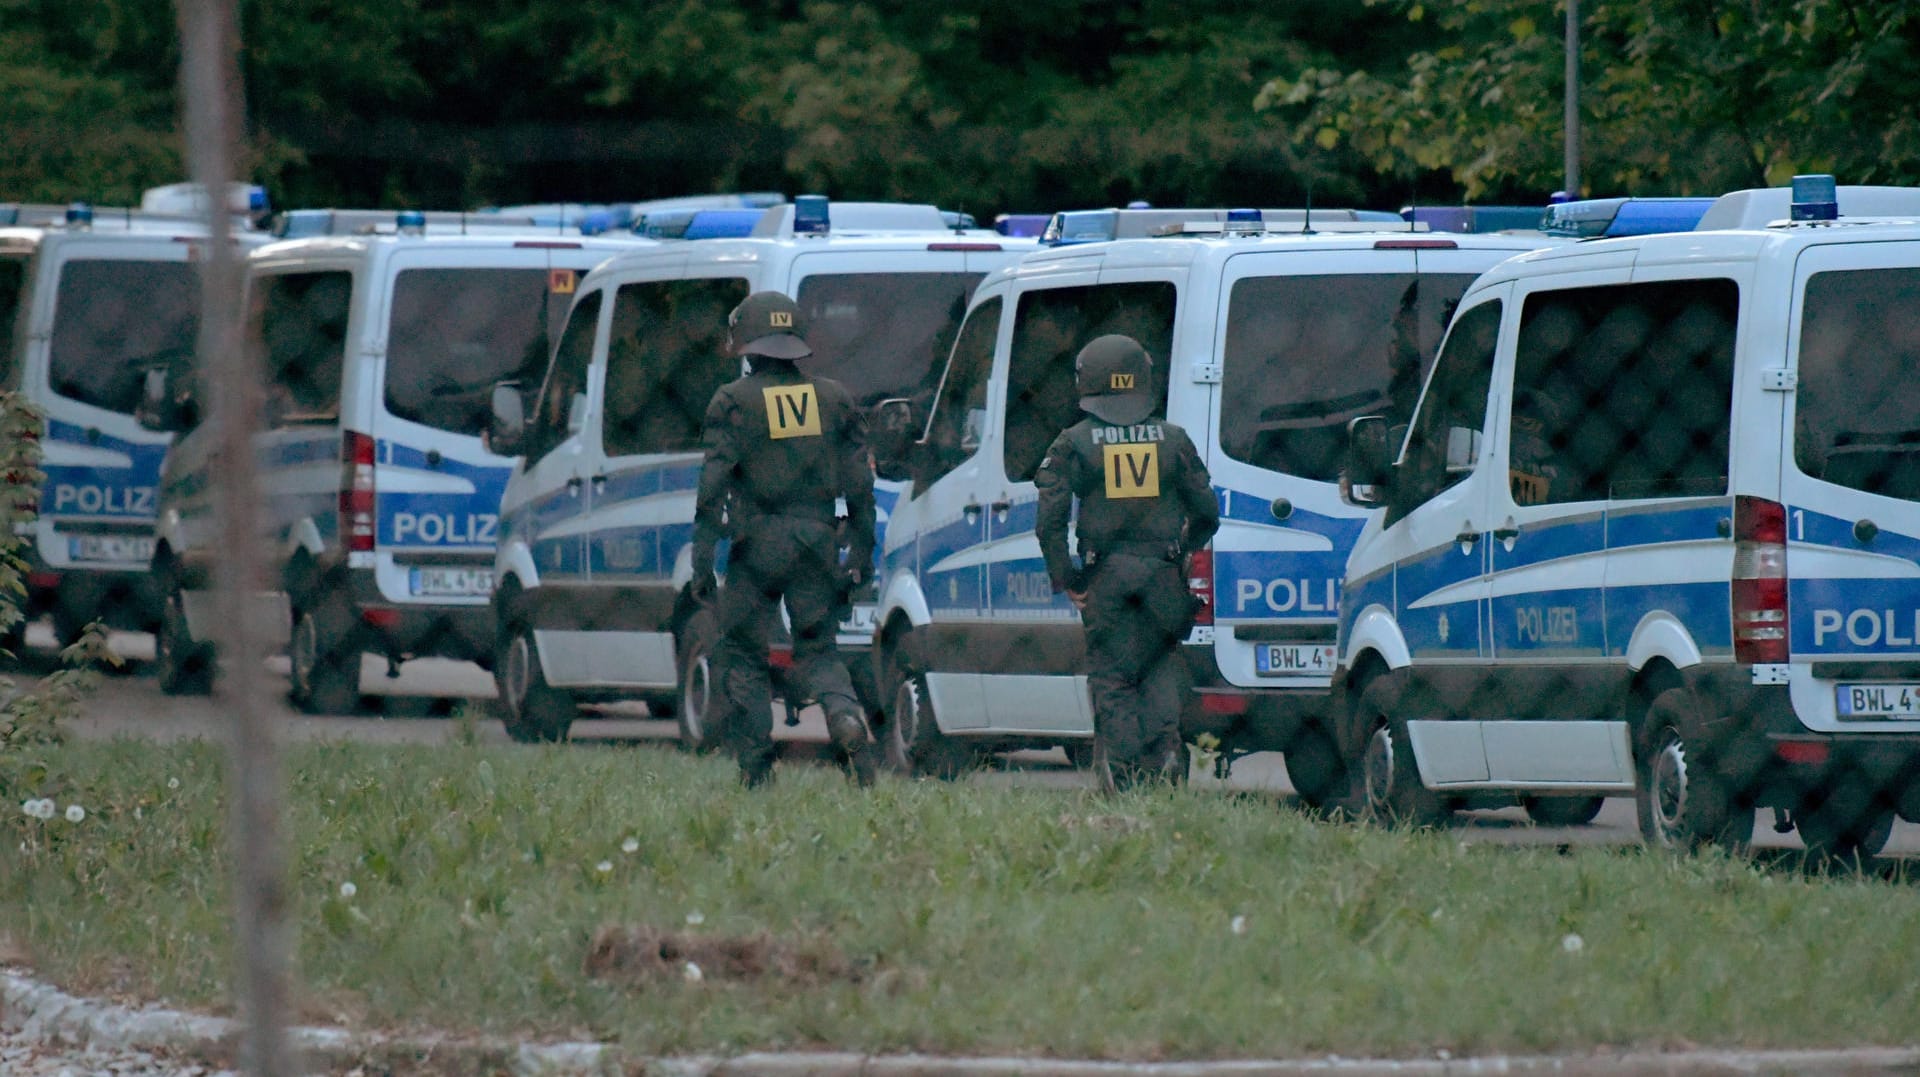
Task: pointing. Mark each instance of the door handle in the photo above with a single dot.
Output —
(1507, 532)
(573, 486)
(1001, 508)
(1467, 536)
(599, 483)
(972, 509)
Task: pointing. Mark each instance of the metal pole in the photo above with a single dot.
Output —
(1573, 99)
(213, 101)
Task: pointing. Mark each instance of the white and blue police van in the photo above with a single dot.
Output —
(1269, 330)
(596, 523)
(380, 336)
(1654, 530)
(89, 297)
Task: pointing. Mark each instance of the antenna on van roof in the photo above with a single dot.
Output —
(1413, 204)
(1306, 220)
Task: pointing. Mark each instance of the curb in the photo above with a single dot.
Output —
(45, 1014)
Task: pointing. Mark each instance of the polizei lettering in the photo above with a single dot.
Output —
(103, 500)
(445, 528)
(1866, 628)
(1288, 596)
(1129, 435)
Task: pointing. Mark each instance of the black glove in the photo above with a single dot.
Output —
(703, 585)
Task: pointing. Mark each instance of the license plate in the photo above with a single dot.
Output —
(1293, 660)
(1878, 700)
(860, 622)
(450, 582)
(126, 549)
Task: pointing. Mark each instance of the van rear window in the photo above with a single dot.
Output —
(455, 332)
(883, 335)
(1306, 354)
(113, 319)
(1857, 407)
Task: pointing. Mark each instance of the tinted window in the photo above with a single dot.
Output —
(114, 319)
(302, 332)
(1857, 408)
(547, 426)
(666, 357)
(1624, 391)
(883, 334)
(960, 416)
(1051, 327)
(1452, 418)
(454, 332)
(13, 276)
(1304, 355)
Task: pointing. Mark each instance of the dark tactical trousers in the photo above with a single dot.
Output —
(775, 558)
(1137, 614)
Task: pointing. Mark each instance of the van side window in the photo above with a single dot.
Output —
(13, 279)
(1305, 355)
(302, 322)
(882, 335)
(1050, 328)
(566, 379)
(455, 332)
(113, 320)
(1623, 391)
(1857, 406)
(1445, 440)
(960, 412)
(666, 356)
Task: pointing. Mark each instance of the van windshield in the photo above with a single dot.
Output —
(113, 319)
(455, 332)
(1306, 354)
(1861, 331)
(883, 335)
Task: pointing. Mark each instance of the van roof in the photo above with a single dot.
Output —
(356, 245)
(1729, 245)
(1192, 250)
(1760, 206)
(761, 250)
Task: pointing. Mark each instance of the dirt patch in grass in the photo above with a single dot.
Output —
(647, 956)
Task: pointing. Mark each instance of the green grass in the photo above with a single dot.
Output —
(988, 920)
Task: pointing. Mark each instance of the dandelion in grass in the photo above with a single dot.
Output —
(1238, 925)
(347, 889)
(75, 813)
(696, 918)
(693, 973)
(173, 783)
(603, 866)
(1573, 943)
(631, 845)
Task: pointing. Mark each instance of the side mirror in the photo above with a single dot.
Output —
(163, 407)
(507, 421)
(1368, 466)
(890, 434)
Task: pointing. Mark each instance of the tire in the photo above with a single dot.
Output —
(1846, 827)
(1683, 802)
(1079, 752)
(914, 743)
(323, 657)
(1316, 768)
(1564, 811)
(693, 702)
(186, 665)
(532, 711)
(1390, 777)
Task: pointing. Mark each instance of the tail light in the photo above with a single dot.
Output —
(1200, 582)
(1759, 580)
(356, 491)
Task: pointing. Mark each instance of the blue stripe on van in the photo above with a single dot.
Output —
(120, 493)
(466, 521)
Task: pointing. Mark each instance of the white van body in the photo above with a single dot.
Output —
(379, 353)
(598, 516)
(1264, 345)
(84, 310)
(1655, 530)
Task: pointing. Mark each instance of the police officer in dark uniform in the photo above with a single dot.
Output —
(786, 460)
(1146, 502)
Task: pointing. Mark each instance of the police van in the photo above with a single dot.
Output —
(1268, 331)
(88, 297)
(1653, 530)
(598, 517)
(380, 336)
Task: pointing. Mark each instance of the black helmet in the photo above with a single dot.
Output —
(1114, 377)
(767, 323)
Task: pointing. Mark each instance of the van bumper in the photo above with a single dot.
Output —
(126, 599)
(421, 630)
(1248, 719)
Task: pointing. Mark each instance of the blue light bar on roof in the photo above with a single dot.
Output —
(958, 221)
(1815, 198)
(1474, 219)
(1081, 226)
(1021, 225)
(810, 215)
(80, 215)
(698, 223)
(1591, 218)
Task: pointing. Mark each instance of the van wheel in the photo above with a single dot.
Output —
(1315, 767)
(1682, 801)
(696, 700)
(1847, 827)
(1079, 752)
(532, 711)
(323, 657)
(1564, 811)
(1390, 777)
(914, 742)
(186, 664)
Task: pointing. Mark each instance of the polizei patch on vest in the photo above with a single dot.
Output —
(793, 411)
(1129, 435)
(1132, 470)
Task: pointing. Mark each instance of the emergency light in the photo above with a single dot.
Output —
(1099, 225)
(698, 224)
(1475, 219)
(1815, 198)
(410, 222)
(80, 216)
(1022, 225)
(810, 216)
(1592, 218)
